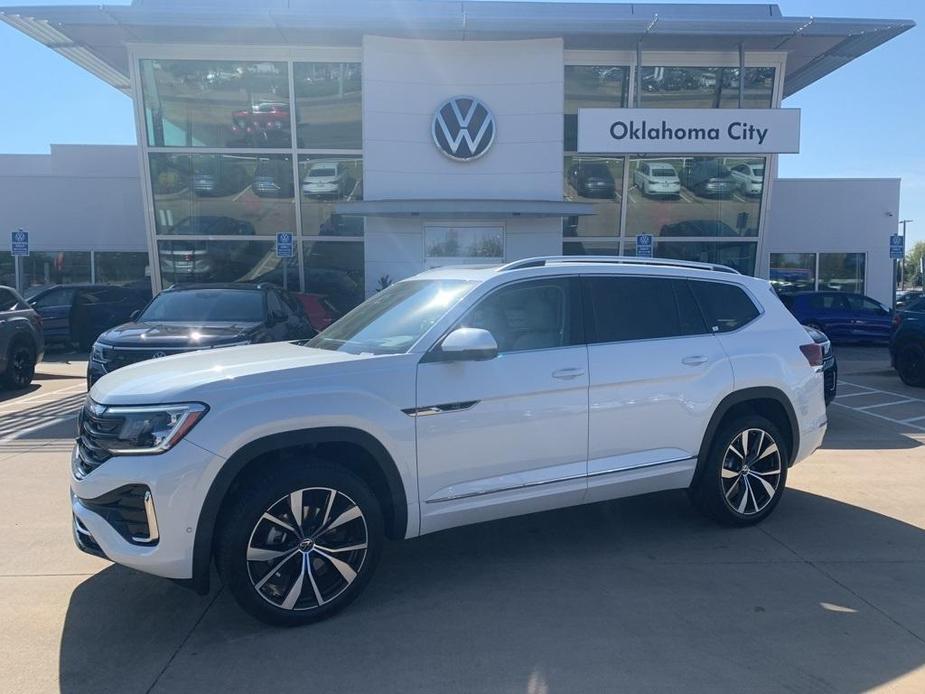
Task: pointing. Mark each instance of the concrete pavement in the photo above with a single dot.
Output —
(635, 595)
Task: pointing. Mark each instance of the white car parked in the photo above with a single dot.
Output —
(749, 177)
(457, 396)
(326, 179)
(657, 178)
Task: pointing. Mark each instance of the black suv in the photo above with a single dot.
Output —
(907, 342)
(186, 318)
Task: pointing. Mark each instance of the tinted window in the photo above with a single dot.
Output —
(827, 302)
(275, 306)
(56, 297)
(8, 301)
(528, 315)
(725, 306)
(916, 304)
(204, 305)
(864, 304)
(642, 308)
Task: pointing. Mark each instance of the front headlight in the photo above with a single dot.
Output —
(96, 353)
(147, 430)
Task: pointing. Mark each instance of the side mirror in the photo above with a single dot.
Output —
(134, 315)
(466, 344)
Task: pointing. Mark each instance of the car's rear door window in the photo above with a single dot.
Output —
(726, 307)
(641, 308)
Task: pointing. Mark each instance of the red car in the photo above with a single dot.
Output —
(266, 116)
(319, 310)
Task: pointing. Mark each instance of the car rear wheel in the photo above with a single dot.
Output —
(300, 544)
(20, 365)
(910, 364)
(745, 472)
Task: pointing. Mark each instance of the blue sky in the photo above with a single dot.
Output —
(861, 121)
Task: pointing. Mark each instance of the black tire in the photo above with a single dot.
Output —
(20, 365)
(720, 486)
(910, 364)
(264, 588)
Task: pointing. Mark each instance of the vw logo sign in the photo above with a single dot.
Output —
(158, 355)
(463, 128)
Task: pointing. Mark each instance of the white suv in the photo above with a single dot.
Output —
(457, 396)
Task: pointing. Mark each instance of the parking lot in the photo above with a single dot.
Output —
(635, 595)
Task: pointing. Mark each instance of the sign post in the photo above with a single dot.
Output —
(284, 250)
(897, 253)
(19, 247)
(644, 246)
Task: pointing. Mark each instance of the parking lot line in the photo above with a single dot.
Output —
(866, 409)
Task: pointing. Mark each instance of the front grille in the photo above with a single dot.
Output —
(115, 358)
(92, 430)
(124, 509)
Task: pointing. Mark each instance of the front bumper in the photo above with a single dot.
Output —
(157, 535)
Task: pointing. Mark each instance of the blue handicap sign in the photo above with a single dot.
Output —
(19, 242)
(897, 247)
(644, 246)
(284, 245)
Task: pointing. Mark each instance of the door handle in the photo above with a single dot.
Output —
(694, 360)
(568, 374)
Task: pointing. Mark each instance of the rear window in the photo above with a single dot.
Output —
(642, 308)
(9, 301)
(664, 173)
(725, 307)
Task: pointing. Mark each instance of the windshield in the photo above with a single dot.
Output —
(393, 320)
(758, 172)
(206, 306)
(664, 173)
(319, 171)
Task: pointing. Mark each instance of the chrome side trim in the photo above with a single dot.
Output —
(527, 485)
(440, 409)
(153, 534)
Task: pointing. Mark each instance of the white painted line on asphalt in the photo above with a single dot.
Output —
(37, 427)
(854, 395)
(885, 404)
(880, 416)
(912, 419)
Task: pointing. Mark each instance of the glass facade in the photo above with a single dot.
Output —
(798, 272)
(65, 267)
(700, 208)
(7, 269)
(126, 268)
(216, 213)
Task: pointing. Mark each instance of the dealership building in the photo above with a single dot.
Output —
(377, 139)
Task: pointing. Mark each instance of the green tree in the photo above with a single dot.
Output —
(913, 264)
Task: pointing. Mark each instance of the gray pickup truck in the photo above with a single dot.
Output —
(22, 344)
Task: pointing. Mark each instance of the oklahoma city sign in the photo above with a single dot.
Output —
(688, 130)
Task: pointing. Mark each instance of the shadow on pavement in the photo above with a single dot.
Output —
(636, 594)
(6, 395)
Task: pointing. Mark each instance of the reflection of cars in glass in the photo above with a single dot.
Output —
(77, 313)
(273, 178)
(321, 313)
(194, 317)
(216, 175)
(327, 179)
(750, 177)
(906, 296)
(843, 316)
(698, 227)
(657, 178)
(592, 180)
(263, 116)
(198, 260)
(708, 178)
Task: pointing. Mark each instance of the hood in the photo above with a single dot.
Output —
(211, 374)
(191, 335)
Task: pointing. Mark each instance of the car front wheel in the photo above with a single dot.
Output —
(300, 544)
(910, 364)
(20, 366)
(745, 472)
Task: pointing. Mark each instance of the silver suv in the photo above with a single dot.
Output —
(22, 344)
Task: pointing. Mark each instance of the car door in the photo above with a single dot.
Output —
(507, 435)
(54, 306)
(656, 375)
(869, 319)
(838, 316)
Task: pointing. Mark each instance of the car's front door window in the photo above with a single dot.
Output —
(527, 316)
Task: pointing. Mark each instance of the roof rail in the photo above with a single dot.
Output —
(613, 260)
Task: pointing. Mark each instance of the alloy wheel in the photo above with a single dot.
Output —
(751, 472)
(21, 366)
(307, 548)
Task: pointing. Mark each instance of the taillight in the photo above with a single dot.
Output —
(897, 319)
(813, 353)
